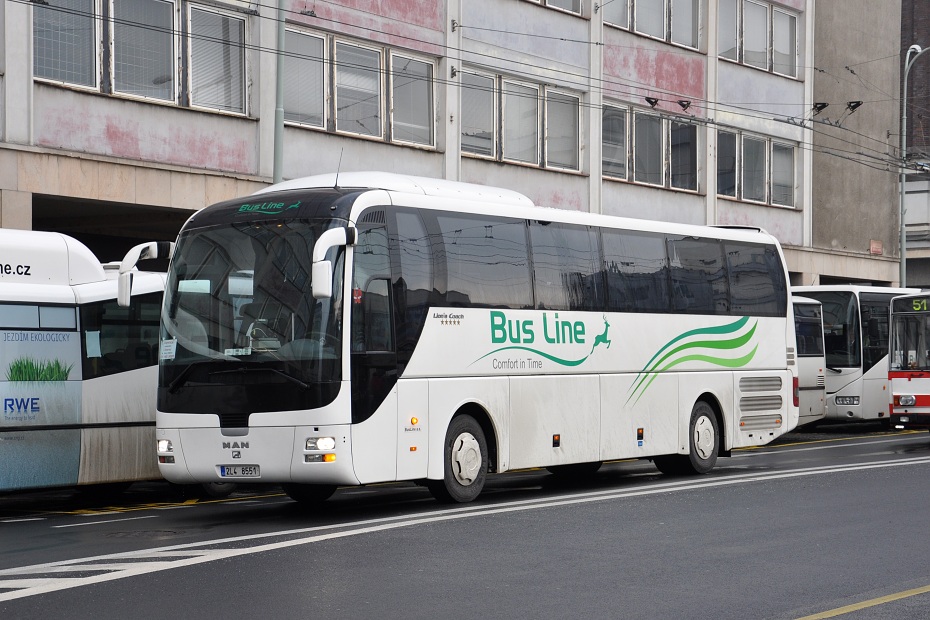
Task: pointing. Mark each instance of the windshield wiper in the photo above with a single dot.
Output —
(832, 369)
(243, 370)
(182, 377)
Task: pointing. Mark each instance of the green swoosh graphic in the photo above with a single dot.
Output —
(729, 328)
(716, 361)
(552, 358)
(645, 377)
(732, 343)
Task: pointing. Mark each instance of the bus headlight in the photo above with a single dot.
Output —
(321, 443)
(847, 400)
(905, 400)
(164, 445)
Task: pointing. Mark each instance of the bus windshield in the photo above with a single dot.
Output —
(909, 342)
(841, 329)
(239, 303)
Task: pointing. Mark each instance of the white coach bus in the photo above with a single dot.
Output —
(78, 371)
(374, 327)
(808, 327)
(855, 324)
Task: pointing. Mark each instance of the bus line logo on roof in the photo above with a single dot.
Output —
(552, 329)
(706, 345)
(267, 207)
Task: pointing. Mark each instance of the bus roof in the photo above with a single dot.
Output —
(407, 184)
(36, 257)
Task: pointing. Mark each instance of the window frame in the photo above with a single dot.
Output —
(390, 92)
(189, 9)
(495, 116)
(325, 78)
(770, 144)
(625, 111)
(546, 139)
(96, 39)
(771, 12)
(334, 95)
(174, 36)
(503, 117)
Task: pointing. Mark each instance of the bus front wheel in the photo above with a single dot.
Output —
(465, 462)
(309, 494)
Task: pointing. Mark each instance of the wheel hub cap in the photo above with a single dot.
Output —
(466, 458)
(704, 438)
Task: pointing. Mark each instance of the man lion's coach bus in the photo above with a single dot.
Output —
(371, 327)
(77, 372)
(909, 355)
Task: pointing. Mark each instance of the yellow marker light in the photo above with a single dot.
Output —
(414, 421)
(413, 448)
(329, 458)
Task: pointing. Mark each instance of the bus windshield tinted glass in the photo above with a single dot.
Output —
(239, 297)
(840, 328)
(910, 346)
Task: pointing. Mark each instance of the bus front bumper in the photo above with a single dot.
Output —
(274, 455)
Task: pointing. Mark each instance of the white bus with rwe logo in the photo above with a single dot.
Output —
(77, 372)
(374, 327)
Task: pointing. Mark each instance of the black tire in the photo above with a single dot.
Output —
(218, 490)
(703, 439)
(703, 445)
(309, 494)
(575, 470)
(465, 462)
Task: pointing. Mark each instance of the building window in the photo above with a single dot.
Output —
(674, 21)
(749, 29)
(765, 169)
(479, 120)
(616, 13)
(664, 150)
(412, 100)
(572, 6)
(65, 42)
(217, 61)
(521, 122)
(358, 90)
(614, 142)
(143, 48)
(683, 155)
(563, 137)
(647, 149)
(304, 79)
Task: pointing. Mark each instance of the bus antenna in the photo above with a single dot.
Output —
(338, 168)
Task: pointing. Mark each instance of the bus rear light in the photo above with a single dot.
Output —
(796, 391)
(166, 459)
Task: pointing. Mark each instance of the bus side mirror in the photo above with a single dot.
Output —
(321, 271)
(321, 275)
(143, 251)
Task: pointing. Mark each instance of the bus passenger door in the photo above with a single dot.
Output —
(373, 359)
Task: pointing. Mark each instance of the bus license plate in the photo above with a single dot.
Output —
(239, 471)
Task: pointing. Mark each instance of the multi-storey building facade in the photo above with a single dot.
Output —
(121, 117)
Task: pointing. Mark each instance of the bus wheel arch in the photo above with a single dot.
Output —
(706, 440)
(467, 456)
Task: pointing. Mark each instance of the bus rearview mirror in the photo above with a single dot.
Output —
(321, 277)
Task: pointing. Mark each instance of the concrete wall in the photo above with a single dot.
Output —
(855, 193)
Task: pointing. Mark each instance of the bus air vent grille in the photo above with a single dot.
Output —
(760, 384)
(234, 420)
(760, 403)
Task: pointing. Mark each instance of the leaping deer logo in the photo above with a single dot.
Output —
(602, 337)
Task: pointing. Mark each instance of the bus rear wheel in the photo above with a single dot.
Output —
(309, 494)
(465, 462)
(703, 445)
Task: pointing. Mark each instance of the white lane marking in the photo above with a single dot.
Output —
(774, 449)
(107, 521)
(23, 520)
(311, 535)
